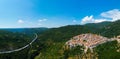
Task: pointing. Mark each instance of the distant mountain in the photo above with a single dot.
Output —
(25, 30)
(98, 25)
(36, 30)
(108, 29)
(14, 29)
(65, 32)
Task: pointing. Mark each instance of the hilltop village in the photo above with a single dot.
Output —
(88, 41)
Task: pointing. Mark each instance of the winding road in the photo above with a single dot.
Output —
(36, 36)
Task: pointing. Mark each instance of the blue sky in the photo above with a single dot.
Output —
(56, 13)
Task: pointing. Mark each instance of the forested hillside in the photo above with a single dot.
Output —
(52, 38)
(50, 42)
(111, 30)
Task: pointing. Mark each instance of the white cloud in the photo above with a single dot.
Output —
(20, 21)
(87, 19)
(90, 19)
(99, 20)
(42, 20)
(113, 14)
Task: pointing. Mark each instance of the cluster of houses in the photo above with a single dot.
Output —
(88, 41)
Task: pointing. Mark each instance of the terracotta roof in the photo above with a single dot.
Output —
(88, 40)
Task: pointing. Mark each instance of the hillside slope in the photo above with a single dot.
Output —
(111, 30)
(54, 36)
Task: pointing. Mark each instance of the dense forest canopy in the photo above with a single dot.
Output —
(50, 42)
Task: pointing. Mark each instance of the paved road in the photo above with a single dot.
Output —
(36, 36)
